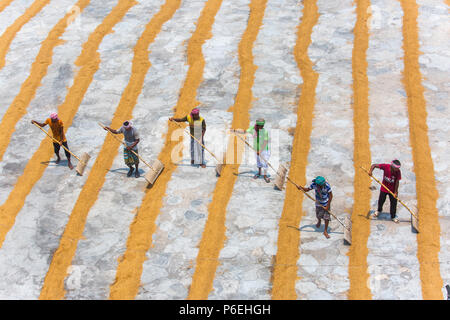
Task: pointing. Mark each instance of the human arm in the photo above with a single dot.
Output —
(264, 145)
(373, 167)
(397, 182)
(263, 140)
(61, 134)
(136, 138)
(131, 146)
(111, 130)
(329, 200)
(184, 119)
(239, 131)
(304, 189)
(39, 123)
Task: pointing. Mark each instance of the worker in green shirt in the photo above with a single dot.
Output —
(261, 145)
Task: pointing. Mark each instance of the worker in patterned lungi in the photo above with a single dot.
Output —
(324, 195)
(197, 127)
(131, 136)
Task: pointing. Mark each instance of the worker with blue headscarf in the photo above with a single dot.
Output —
(324, 195)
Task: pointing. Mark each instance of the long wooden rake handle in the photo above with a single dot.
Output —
(198, 141)
(389, 192)
(126, 146)
(287, 177)
(56, 141)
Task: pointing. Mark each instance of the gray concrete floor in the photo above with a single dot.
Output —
(253, 212)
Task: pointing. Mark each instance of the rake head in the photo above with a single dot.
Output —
(280, 178)
(348, 231)
(82, 164)
(152, 175)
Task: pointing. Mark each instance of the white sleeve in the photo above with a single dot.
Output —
(136, 134)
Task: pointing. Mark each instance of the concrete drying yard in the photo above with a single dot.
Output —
(341, 84)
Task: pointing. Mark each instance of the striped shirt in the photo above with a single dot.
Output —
(322, 196)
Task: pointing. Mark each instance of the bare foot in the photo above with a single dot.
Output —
(203, 165)
(70, 165)
(318, 225)
(58, 160)
(326, 235)
(266, 179)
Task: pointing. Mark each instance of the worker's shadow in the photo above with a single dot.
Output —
(124, 171)
(187, 163)
(321, 229)
(52, 163)
(249, 174)
(383, 216)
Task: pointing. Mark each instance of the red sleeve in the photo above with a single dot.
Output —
(384, 166)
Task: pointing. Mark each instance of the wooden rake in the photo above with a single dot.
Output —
(157, 167)
(219, 165)
(414, 218)
(347, 230)
(81, 162)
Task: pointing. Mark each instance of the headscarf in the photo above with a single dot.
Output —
(396, 166)
(195, 111)
(54, 116)
(127, 124)
(260, 121)
(319, 180)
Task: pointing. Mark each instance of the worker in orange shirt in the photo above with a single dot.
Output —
(57, 127)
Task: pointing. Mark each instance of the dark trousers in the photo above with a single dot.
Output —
(56, 147)
(392, 200)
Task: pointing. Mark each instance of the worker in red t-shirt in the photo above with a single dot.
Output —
(391, 177)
